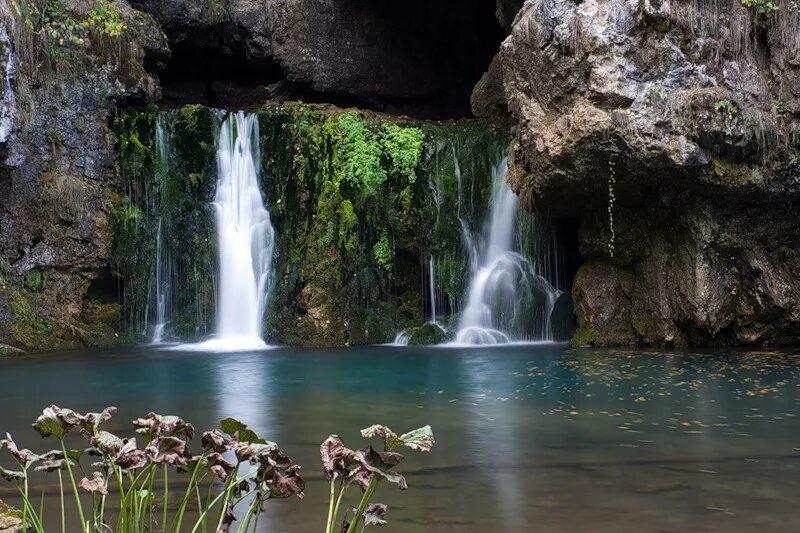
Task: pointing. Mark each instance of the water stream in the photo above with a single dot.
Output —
(508, 299)
(245, 236)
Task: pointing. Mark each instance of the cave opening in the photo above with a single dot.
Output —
(419, 58)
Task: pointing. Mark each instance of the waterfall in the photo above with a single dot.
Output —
(7, 99)
(432, 288)
(508, 300)
(245, 240)
(163, 282)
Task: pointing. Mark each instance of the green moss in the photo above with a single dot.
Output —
(426, 335)
(585, 335)
(34, 280)
(729, 173)
(382, 252)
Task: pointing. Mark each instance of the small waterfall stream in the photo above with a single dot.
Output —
(508, 300)
(163, 279)
(8, 100)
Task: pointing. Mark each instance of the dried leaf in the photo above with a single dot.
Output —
(107, 443)
(215, 441)
(129, 458)
(11, 476)
(97, 484)
(420, 439)
(167, 450)
(374, 513)
(335, 457)
(24, 457)
(154, 425)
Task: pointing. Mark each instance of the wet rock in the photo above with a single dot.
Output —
(677, 123)
(10, 519)
(489, 97)
(426, 335)
(57, 167)
(562, 319)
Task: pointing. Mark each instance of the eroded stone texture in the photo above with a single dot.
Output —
(57, 173)
(688, 110)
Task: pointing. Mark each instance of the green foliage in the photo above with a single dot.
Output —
(726, 106)
(762, 6)
(382, 252)
(34, 280)
(348, 223)
(361, 155)
(403, 147)
(105, 18)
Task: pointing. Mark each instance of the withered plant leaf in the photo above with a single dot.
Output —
(167, 450)
(335, 457)
(155, 425)
(96, 484)
(215, 441)
(23, 456)
(107, 443)
(52, 465)
(130, 458)
(420, 439)
(12, 476)
(374, 513)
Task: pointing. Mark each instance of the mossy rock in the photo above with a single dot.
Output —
(10, 519)
(427, 335)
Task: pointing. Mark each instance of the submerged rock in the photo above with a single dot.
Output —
(426, 335)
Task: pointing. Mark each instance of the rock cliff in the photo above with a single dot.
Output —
(669, 129)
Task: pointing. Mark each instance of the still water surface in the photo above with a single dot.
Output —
(529, 438)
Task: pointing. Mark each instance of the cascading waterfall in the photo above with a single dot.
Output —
(8, 100)
(246, 238)
(432, 288)
(508, 300)
(163, 281)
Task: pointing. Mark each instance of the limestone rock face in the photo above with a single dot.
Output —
(682, 118)
(57, 167)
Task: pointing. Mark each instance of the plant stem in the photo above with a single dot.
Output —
(330, 507)
(342, 488)
(166, 503)
(363, 505)
(74, 485)
(63, 514)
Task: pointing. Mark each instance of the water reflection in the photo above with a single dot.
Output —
(563, 439)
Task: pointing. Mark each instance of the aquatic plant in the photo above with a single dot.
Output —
(141, 475)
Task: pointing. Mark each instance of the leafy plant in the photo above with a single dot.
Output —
(762, 6)
(726, 106)
(382, 251)
(139, 473)
(366, 468)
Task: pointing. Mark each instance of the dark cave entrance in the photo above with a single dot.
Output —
(412, 57)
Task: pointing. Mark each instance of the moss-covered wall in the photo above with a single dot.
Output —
(359, 202)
